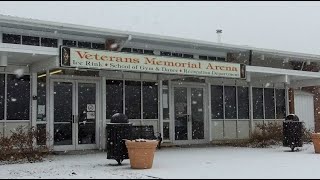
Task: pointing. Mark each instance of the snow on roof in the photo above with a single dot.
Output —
(14, 20)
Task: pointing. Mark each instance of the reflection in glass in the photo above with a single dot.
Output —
(150, 100)
(1, 96)
(62, 113)
(87, 113)
(133, 99)
(257, 95)
(180, 111)
(18, 97)
(269, 103)
(197, 113)
(114, 97)
(217, 102)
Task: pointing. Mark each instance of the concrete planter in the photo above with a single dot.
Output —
(316, 141)
(141, 153)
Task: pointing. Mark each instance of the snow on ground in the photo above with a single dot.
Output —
(201, 162)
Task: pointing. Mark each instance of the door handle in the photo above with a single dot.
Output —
(72, 118)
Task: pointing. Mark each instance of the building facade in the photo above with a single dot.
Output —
(68, 80)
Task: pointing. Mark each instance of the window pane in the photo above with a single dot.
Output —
(243, 103)
(148, 52)
(281, 103)
(230, 102)
(165, 103)
(41, 134)
(217, 102)
(269, 103)
(49, 42)
(82, 44)
(41, 99)
(69, 43)
(98, 46)
(150, 100)
(203, 57)
(126, 50)
(114, 95)
(166, 130)
(133, 99)
(187, 55)
(2, 96)
(18, 102)
(177, 54)
(221, 59)
(257, 95)
(31, 40)
(11, 38)
(212, 58)
(139, 51)
(163, 53)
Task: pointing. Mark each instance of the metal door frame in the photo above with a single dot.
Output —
(190, 85)
(75, 94)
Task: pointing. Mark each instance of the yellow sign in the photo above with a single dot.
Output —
(110, 60)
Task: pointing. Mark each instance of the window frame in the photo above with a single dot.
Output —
(5, 119)
(141, 97)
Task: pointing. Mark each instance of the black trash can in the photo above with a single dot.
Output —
(117, 130)
(292, 132)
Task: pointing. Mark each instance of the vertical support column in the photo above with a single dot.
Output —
(34, 101)
(171, 110)
(160, 116)
(5, 103)
(103, 108)
(49, 114)
(3, 60)
(250, 104)
(60, 43)
(209, 110)
(289, 94)
(0, 37)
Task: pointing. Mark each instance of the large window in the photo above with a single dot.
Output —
(269, 103)
(140, 99)
(2, 96)
(18, 97)
(11, 38)
(133, 99)
(227, 101)
(217, 102)
(243, 102)
(49, 42)
(150, 100)
(280, 103)
(257, 95)
(31, 40)
(230, 102)
(114, 94)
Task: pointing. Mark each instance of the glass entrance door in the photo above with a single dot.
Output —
(188, 113)
(74, 109)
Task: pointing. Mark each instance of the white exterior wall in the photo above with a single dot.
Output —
(304, 108)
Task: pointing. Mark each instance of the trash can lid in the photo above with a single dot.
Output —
(292, 117)
(119, 118)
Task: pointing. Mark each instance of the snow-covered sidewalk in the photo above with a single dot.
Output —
(210, 162)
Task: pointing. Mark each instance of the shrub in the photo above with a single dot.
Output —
(265, 135)
(21, 146)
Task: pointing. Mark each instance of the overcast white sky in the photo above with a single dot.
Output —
(292, 26)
